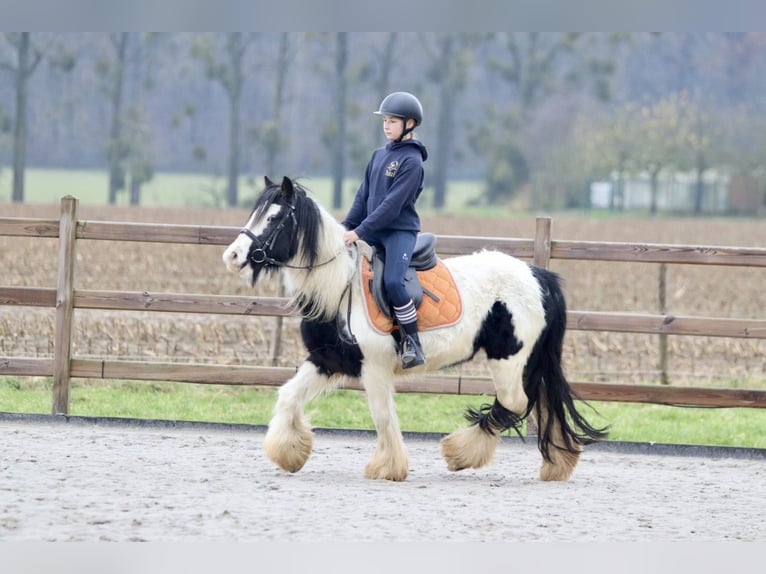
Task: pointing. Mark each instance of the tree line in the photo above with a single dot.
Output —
(519, 111)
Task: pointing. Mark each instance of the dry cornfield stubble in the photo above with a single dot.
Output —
(712, 291)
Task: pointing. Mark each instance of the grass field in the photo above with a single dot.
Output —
(589, 356)
(198, 190)
(91, 187)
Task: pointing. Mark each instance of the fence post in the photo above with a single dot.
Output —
(662, 296)
(64, 305)
(542, 258)
(276, 340)
(543, 242)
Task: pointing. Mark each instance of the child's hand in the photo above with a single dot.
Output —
(350, 237)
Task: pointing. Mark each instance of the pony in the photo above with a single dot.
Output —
(513, 312)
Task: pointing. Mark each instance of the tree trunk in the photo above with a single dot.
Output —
(622, 199)
(699, 190)
(116, 170)
(273, 147)
(386, 65)
(444, 125)
(20, 133)
(232, 192)
(617, 194)
(655, 190)
(339, 148)
(135, 191)
(236, 52)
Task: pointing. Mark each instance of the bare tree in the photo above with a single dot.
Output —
(382, 84)
(536, 66)
(28, 57)
(450, 61)
(228, 67)
(339, 147)
(270, 133)
(113, 73)
(275, 143)
(128, 149)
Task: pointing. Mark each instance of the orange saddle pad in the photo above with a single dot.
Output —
(431, 314)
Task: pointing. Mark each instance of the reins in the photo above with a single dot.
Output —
(349, 339)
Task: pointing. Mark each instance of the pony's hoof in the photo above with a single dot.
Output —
(468, 448)
(374, 471)
(291, 453)
(561, 468)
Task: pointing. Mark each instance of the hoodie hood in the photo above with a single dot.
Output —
(411, 142)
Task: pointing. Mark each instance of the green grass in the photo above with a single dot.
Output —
(91, 187)
(187, 189)
(348, 409)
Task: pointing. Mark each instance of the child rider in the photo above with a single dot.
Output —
(383, 213)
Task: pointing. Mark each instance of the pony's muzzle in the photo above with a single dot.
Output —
(234, 258)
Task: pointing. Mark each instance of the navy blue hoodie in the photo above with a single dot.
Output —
(392, 184)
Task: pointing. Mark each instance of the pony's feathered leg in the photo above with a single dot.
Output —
(474, 446)
(389, 461)
(289, 439)
(560, 461)
(562, 429)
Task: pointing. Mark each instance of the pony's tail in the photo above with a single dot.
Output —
(546, 386)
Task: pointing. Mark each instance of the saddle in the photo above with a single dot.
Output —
(423, 258)
(428, 282)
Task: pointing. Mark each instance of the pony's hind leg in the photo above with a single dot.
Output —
(470, 447)
(474, 446)
(389, 460)
(289, 439)
(560, 453)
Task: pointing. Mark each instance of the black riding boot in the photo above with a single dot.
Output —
(412, 352)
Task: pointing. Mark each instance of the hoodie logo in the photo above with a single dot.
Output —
(391, 169)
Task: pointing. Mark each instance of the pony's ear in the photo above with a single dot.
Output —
(287, 188)
(267, 182)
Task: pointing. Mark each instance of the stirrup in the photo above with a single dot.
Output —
(412, 353)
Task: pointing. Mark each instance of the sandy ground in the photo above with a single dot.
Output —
(96, 482)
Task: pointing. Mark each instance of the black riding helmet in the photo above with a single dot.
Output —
(403, 105)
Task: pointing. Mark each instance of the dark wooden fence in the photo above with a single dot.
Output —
(541, 249)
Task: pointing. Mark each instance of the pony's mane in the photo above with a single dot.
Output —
(319, 244)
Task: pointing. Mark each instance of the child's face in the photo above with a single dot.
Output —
(393, 127)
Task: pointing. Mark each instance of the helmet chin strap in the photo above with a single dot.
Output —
(406, 130)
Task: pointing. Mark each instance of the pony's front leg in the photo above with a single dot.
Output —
(389, 460)
(289, 439)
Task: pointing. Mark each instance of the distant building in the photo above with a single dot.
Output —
(677, 192)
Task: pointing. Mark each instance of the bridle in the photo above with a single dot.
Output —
(260, 254)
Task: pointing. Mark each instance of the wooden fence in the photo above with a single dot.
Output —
(62, 367)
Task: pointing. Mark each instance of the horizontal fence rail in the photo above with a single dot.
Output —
(433, 384)
(65, 299)
(617, 322)
(447, 244)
